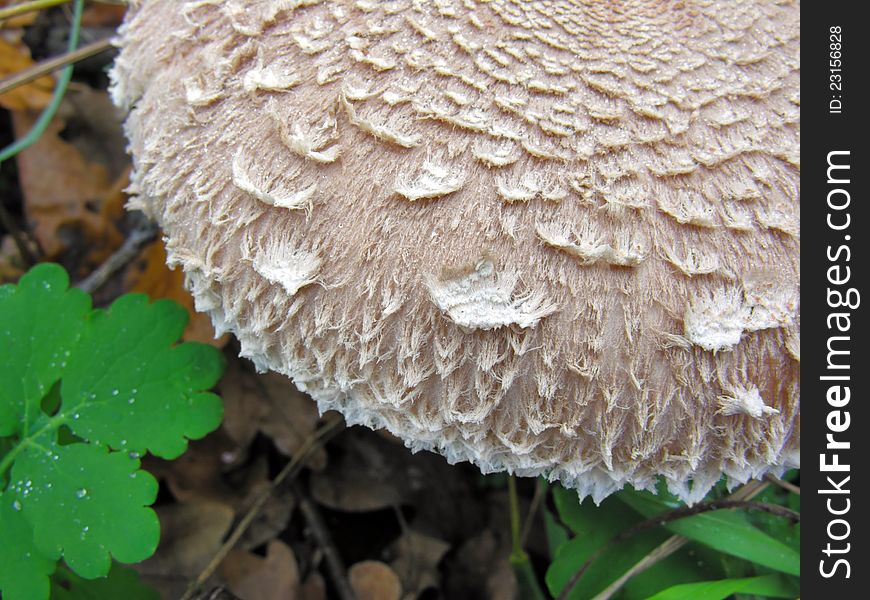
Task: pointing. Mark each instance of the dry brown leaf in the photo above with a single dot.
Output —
(269, 403)
(272, 518)
(14, 58)
(190, 535)
(150, 275)
(373, 580)
(314, 588)
(252, 577)
(292, 417)
(197, 475)
(416, 563)
(103, 15)
(65, 191)
(11, 264)
(481, 567)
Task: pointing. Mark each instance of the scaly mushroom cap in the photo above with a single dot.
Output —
(546, 237)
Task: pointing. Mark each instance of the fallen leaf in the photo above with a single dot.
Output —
(11, 264)
(364, 477)
(65, 191)
(481, 568)
(416, 562)
(273, 516)
(103, 15)
(373, 580)
(313, 588)
(14, 58)
(197, 475)
(252, 577)
(269, 403)
(190, 535)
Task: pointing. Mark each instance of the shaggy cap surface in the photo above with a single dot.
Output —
(548, 237)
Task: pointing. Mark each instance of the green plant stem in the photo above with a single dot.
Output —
(59, 90)
(527, 581)
(26, 7)
(517, 552)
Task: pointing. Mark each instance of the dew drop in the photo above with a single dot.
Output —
(115, 392)
(81, 493)
(16, 505)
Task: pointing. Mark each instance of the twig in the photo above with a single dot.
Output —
(668, 547)
(50, 65)
(59, 90)
(138, 238)
(540, 487)
(739, 499)
(218, 593)
(324, 541)
(26, 7)
(786, 485)
(313, 441)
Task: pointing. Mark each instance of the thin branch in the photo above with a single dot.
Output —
(668, 547)
(737, 500)
(540, 487)
(312, 442)
(786, 485)
(51, 65)
(324, 541)
(26, 7)
(137, 239)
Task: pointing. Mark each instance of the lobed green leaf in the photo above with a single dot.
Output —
(83, 393)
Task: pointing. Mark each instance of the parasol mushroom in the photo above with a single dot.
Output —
(552, 238)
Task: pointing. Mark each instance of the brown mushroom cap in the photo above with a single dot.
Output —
(546, 237)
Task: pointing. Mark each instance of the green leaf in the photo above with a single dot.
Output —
(722, 530)
(556, 534)
(24, 570)
(595, 526)
(82, 395)
(86, 503)
(691, 563)
(40, 323)
(121, 582)
(766, 585)
(151, 380)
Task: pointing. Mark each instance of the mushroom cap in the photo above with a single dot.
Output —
(553, 238)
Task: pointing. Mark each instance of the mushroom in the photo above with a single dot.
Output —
(551, 238)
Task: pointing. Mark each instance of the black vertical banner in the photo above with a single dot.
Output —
(835, 237)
